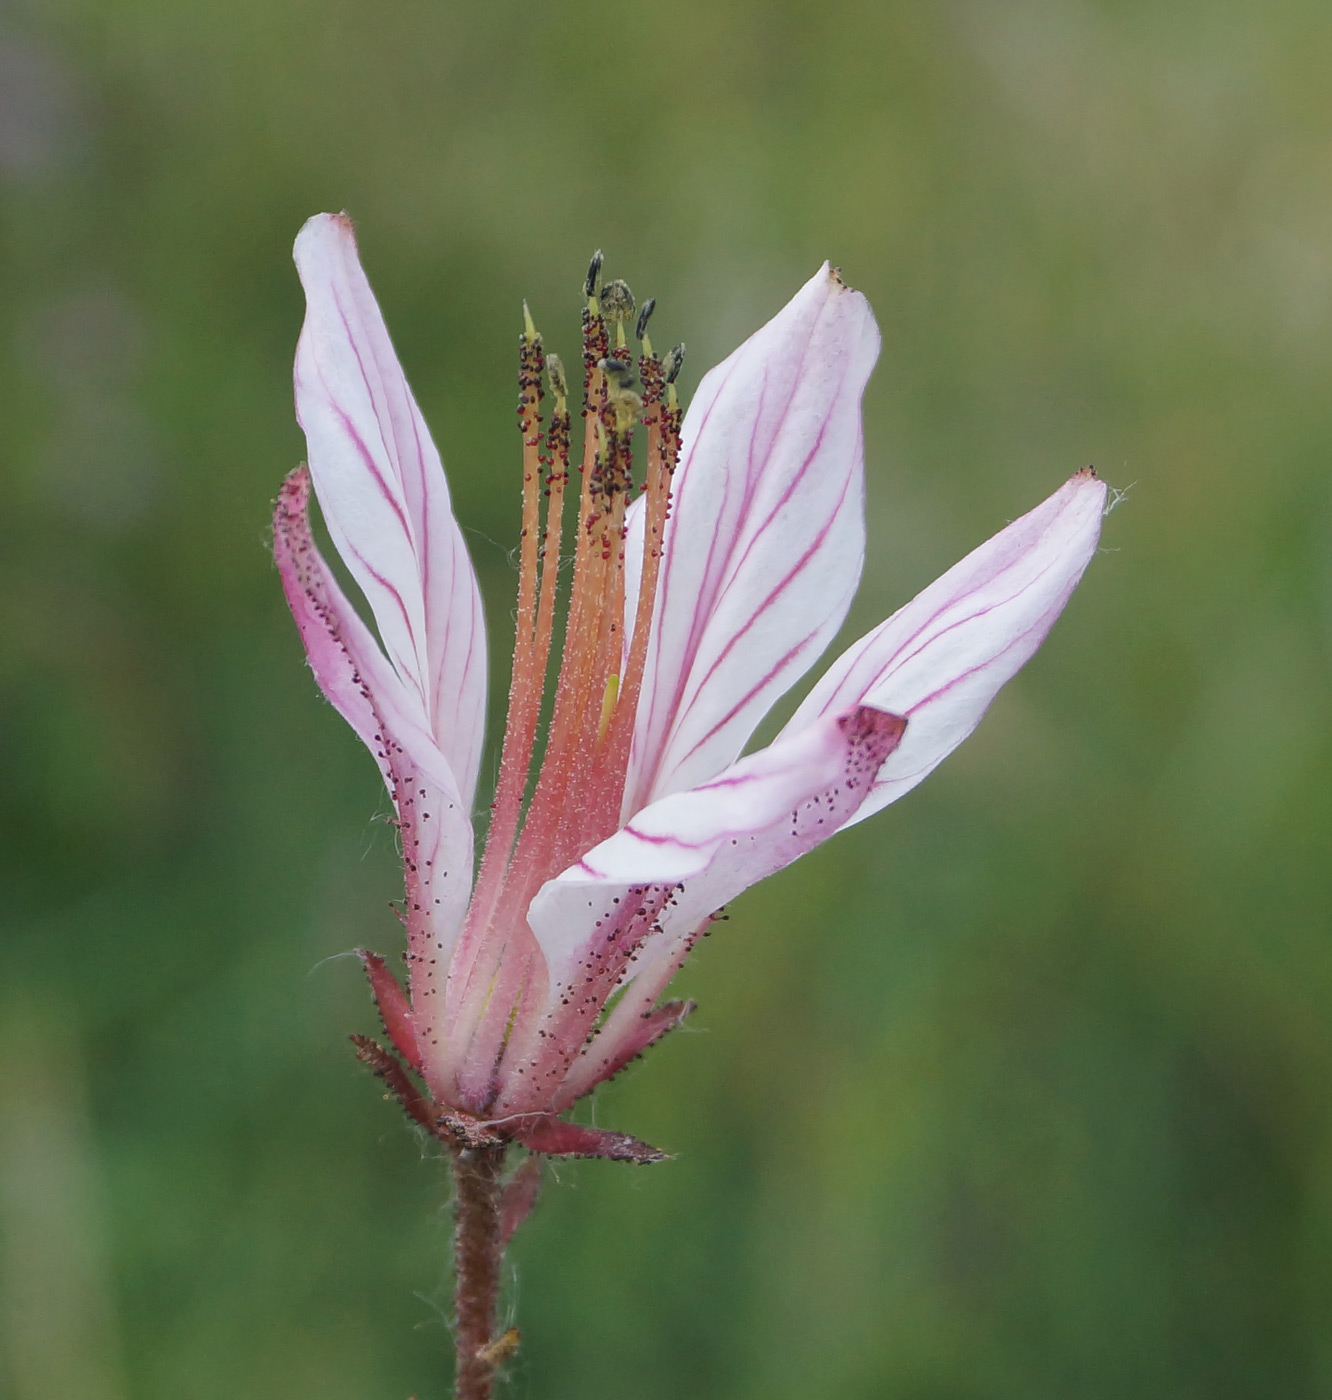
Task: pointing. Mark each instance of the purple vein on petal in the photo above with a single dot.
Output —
(782, 586)
(683, 681)
(418, 529)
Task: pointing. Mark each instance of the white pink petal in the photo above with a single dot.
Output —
(761, 555)
(384, 497)
(435, 824)
(766, 539)
(656, 881)
(941, 660)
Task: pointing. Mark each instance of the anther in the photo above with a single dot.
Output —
(617, 302)
(529, 326)
(617, 306)
(626, 405)
(672, 362)
(620, 397)
(593, 278)
(644, 315)
(617, 370)
(559, 386)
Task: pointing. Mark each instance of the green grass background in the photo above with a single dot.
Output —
(1020, 1091)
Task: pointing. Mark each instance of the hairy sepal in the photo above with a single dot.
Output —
(553, 1137)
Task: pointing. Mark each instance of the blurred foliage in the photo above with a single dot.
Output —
(1020, 1091)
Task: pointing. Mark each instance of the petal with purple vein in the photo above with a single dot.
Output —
(435, 826)
(385, 500)
(941, 660)
(639, 897)
(766, 538)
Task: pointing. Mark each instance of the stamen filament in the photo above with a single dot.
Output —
(557, 441)
(527, 681)
(587, 773)
(663, 431)
(545, 830)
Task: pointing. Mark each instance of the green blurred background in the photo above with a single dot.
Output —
(1020, 1091)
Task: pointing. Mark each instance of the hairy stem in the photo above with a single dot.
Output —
(478, 1253)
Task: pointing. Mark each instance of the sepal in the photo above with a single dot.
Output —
(519, 1196)
(556, 1138)
(413, 1102)
(394, 1009)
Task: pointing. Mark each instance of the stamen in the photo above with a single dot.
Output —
(595, 347)
(608, 698)
(557, 461)
(528, 677)
(507, 965)
(550, 828)
(624, 406)
(663, 432)
(671, 367)
(579, 789)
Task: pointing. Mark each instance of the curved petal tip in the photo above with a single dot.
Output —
(319, 227)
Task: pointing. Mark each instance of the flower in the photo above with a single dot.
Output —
(690, 613)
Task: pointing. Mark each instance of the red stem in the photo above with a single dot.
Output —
(478, 1254)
